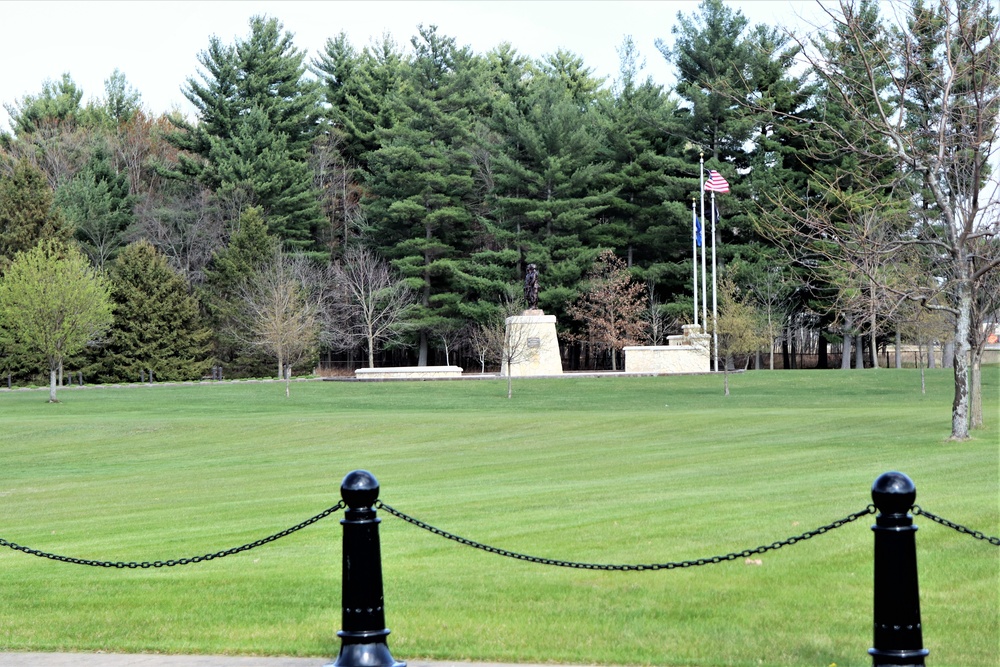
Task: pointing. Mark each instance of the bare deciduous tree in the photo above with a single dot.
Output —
(334, 178)
(185, 226)
(611, 308)
(372, 304)
(280, 312)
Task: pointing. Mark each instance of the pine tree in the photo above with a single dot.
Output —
(158, 327)
(421, 189)
(548, 176)
(649, 221)
(256, 122)
(97, 205)
(58, 103)
(710, 52)
(27, 213)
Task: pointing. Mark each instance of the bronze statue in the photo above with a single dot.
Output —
(531, 287)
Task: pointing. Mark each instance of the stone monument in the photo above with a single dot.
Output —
(530, 344)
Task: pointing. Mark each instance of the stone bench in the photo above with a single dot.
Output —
(409, 373)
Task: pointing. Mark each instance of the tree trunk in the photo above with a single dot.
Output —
(960, 406)
(899, 351)
(859, 352)
(52, 385)
(822, 352)
(422, 354)
(931, 357)
(791, 343)
(920, 365)
(725, 375)
(371, 351)
(976, 393)
(948, 355)
(845, 353)
(509, 385)
(873, 349)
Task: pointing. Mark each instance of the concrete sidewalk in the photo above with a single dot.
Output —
(158, 660)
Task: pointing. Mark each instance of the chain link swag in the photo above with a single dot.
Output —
(179, 561)
(995, 541)
(746, 553)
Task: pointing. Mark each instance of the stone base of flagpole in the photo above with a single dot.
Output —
(687, 353)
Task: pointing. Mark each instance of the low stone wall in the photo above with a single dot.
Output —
(409, 373)
(666, 359)
(687, 353)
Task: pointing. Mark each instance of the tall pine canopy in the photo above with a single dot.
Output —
(256, 122)
(421, 189)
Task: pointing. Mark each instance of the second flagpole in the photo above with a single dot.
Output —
(715, 305)
(704, 277)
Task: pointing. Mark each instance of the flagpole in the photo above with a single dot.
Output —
(704, 285)
(715, 305)
(694, 252)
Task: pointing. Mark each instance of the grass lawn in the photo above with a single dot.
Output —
(609, 470)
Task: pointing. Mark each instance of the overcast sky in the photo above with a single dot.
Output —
(156, 43)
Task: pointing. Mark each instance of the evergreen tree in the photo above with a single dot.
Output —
(158, 327)
(27, 213)
(548, 176)
(649, 221)
(97, 205)
(256, 122)
(358, 88)
(421, 188)
(58, 103)
(710, 52)
(249, 247)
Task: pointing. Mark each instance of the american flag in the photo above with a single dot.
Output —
(716, 183)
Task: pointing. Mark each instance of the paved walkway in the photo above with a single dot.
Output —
(157, 660)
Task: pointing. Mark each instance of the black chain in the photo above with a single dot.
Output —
(995, 541)
(179, 561)
(746, 553)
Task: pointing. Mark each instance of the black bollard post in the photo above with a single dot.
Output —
(898, 635)
(363, 614)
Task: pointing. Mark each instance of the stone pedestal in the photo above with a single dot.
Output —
(532, 346)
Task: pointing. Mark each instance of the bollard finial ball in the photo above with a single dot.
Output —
(893, 493)
(359, 489)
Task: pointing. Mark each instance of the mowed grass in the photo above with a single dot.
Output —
(607, 470)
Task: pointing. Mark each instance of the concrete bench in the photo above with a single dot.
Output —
(409, 373)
